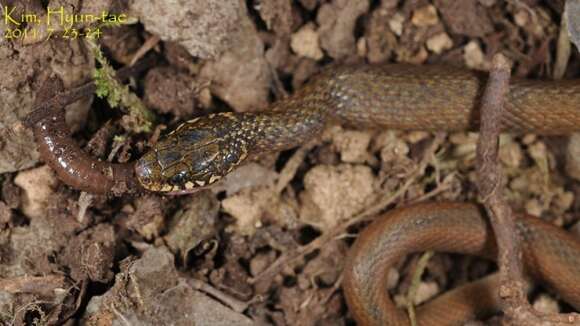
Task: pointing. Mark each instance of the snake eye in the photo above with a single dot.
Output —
(178, 179)
(230, 158)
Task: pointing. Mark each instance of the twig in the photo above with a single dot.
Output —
(512, 282)
(289, 170)
(235, 304)
(419, 270)
(149, 44)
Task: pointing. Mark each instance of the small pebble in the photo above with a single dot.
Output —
(439, 43)
(306, 43)
(425, 16)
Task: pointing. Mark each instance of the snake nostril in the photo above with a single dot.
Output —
(143, 172)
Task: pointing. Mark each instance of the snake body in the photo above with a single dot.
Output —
(550, 255)
(201, 151)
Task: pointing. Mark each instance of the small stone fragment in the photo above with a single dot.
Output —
(538, 151)
(510, 152)
(352, 145)
(38, 185)
(521, 18)
(425, 16)
(546, 304)
(425, 291)
(439, 43)
(396, 24)
(248, 207)
(305, 42)
(473, 56)
(337, 20)
(533, 207)
(563, 201)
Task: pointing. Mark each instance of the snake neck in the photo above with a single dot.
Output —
(291, 121)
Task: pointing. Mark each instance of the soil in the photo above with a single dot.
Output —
(235, 254)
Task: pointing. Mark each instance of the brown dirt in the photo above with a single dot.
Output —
(223, 257)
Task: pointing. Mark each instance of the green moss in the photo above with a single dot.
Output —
(120, 96)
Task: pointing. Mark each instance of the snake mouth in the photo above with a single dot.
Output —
(185, 191)
(146, 176)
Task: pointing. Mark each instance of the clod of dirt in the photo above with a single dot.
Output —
(396, 151)
(573, 157)
(278, 15)
(333, 193)
(248, 176)
(147, 219)
(426, 291)
(396, 23)
(353, 145)
(439, 43)
(466, 17)
(425, 16)
(252, 197)
(337, 21)
(10, 193)
(245, 87)
(326, 268)
(299, 305)
(23, 69)
(305, 42)
(196, 223)
(249, 206)
(90, 254)
(178, 57)
(5, 215)
(575, 229)
(28, 249)
(572, 12)
(474, 57)
(38, 186)
(38, 300)
(204, 28)
(148, 291)
(380, 34)
(546, 304)
(510, 152)
(170, 91)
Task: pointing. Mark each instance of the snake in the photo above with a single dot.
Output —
(549, 254)
(200, 152)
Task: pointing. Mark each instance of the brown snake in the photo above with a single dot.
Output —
(550, 255)
(200, 152)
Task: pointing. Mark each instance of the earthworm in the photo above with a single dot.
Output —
(72, 165)
(201, 151)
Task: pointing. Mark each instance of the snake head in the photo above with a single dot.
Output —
(197, 154)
